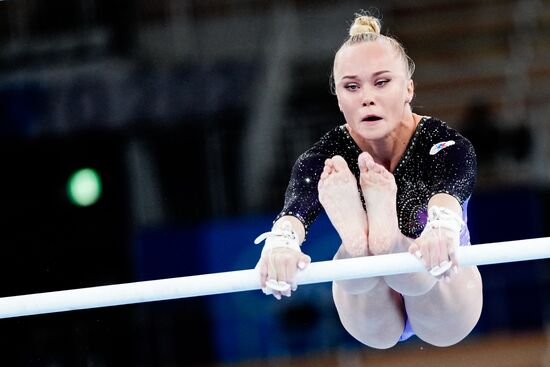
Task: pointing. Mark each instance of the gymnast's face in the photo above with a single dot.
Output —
(372, 88)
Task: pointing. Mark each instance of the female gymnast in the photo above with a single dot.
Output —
(390, 181)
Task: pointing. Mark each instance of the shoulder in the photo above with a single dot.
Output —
(334, 137)
(450, 161)
(438, 128)
(437, 136)
(335, 141)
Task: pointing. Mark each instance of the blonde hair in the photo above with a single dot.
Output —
(364, 24)
(366, 28)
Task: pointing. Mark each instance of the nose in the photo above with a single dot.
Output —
(367, 100)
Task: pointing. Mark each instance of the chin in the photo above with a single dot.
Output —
(372, 133)
(372, 137)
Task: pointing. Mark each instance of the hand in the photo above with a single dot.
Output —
(437, 244)
(281, 258)
(278, 268)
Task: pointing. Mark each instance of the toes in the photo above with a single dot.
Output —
(339, 163)
(387, 174)
(335, 172)
(365, 162)
(326, 172)
(329, 166)
(365, 156)
(381, 171)
(378, 168)
(328, 169)
(361, 162)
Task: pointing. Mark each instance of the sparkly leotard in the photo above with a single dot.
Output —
(419, 175)
(426, 168)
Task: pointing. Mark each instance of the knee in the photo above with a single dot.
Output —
(378, 343)
(367, 320)
(356, 286)
(412, 284)
(443, 339)
(375, 333)
(353, 286)
(452, 333)
(378, 338)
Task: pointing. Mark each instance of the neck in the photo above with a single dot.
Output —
(388, 151)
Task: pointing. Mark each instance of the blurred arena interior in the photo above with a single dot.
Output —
(192, 113)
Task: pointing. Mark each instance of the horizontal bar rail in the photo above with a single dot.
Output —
(246, 280)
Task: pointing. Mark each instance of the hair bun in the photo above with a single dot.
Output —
(365, 24)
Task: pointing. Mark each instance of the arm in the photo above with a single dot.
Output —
(297, 226)
(301, 208)
(446, 201)
(439, 240)
(282, 257)
(438, 243)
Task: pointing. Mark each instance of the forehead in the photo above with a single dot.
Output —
(367, 58)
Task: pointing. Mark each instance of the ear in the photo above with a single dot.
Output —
(338, 101)
(410, 91)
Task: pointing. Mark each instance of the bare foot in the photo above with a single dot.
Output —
(339, 195)
(379, 190)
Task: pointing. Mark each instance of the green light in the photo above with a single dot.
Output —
(84, 187)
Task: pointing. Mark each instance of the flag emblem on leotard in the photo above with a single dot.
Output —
(439, 146)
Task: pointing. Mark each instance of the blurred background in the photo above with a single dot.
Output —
(145, 139)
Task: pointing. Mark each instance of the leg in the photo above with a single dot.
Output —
(369, 310)
(440, 313)
(379, 190)
(449, 311)
(375, 318)
(339, 195)
(411, 284)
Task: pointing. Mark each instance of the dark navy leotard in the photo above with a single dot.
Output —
(437, 160)
(451, 169)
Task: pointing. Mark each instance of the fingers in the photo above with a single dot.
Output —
(434, 253)
(289, 277)
(437, 250)
(423, 252)
(414, 249)
(453, 258)
(263, 268)
(278, 269)
(304, 261)
(262, 265)
(440, 262)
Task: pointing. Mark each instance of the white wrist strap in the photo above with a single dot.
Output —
(439, 217)
(283, 236)
(443, 218)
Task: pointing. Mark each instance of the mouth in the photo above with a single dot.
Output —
(371, 118)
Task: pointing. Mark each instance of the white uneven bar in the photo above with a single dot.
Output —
(245, 280)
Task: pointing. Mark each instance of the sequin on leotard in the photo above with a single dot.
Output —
(419, 175)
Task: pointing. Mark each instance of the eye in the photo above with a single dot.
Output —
(381, 82)
(351, 86)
